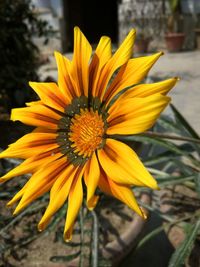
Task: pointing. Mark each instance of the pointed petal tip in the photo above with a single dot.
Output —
(76, 29)
(40, 227)
(90, 208)
(9, 204)
(157, 55)
(158, 188)
(18, 209)
(2, 179)
(92, 202)
(43, 224)
(177, 78)
(144, 215)
(67, 237)
(15, 212)
(132, 31)
(56, 53)
(13, 115)
(31, 83)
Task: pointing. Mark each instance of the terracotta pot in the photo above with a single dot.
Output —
(141, 45)
(174, 41)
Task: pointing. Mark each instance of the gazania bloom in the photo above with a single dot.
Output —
(77, 122)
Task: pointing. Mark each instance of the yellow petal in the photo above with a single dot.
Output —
(17, 196)
(30, 145)
(91, 176)
(27, 152)
(123, 193)
(103, 183)
(58, 195)
(81, 57)
(41, 182)
(33, 103)
(74, 203)
(136, 115)
(130, 74)
(122, 165)
(32, 164)
(101, 56)
(50, 95)
(37, 115)
(121, 56)
(126, 195)
(144, 90)
(66, 82)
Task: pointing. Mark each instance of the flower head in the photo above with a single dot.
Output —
(77, 122)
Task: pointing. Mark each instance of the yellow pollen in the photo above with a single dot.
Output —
(86, 132)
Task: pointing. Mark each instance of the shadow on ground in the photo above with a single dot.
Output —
(154, 253)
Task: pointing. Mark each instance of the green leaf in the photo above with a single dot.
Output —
(168, 124)
(197, 182)
(183, 251)
(173, 4)
(150, 235)
(159, 158)
(182, 121)
(174, 180)
(66, 258)
(153, 140)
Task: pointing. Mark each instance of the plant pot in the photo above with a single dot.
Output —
(141, 45)
(174, 41)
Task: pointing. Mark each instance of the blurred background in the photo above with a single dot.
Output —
(30, 31)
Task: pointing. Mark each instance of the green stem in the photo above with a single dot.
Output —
(95, 239)
(81, 262)
(169, 136)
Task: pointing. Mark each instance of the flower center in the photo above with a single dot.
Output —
(81, 129)
(86, 132)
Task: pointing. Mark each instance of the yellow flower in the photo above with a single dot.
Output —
(76, 120)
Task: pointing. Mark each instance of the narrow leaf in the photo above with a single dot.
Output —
(183, 251)
(65, 258)
(182, 121)
(197, 183)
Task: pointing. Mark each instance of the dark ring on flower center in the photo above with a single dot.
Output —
(79, 106)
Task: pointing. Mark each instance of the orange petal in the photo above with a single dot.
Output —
(30, 145)
(74, 203)
(101, 56)
(41, 182)
(37, 115)
(80, 63)
(33, 103)
(58, 195)
(130, 74)
(66, 82)
(121, 192)
(122, 165)
(135, 115)
(91, 176)
(32, 164)
(50, 95)
(145, 90)
(121, 56)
